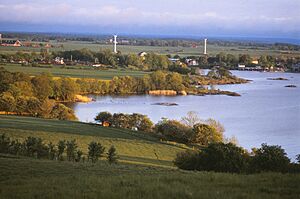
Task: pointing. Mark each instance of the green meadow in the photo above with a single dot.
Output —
(24, 178)
(74, 71)
(144, 169)
(132, 147)
(181, 51)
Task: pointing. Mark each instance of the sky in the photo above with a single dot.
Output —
(255, 18)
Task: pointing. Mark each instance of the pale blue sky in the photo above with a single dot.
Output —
(265, 18)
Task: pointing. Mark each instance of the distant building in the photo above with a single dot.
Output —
(59, 60)
(174, 60)
(191, 62)
(11, 42)
(254, 62)
(241, 66)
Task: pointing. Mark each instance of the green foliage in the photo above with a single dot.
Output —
(52, 151)
(112, 155)
(7, 102)
(187, 160)
(62, 112)
(61, 145)
(173, 130)
(95, 151)
(270, 158)
(218, 157)
(104, 117)
(4, 143)
(71, 150)
(204, 134)
(35, 147)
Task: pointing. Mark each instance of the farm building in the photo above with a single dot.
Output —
(11, 42)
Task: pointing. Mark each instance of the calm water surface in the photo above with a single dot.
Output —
(267, 112)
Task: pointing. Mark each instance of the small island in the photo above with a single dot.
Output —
(278, 78)
(291, 86)
(165, 104)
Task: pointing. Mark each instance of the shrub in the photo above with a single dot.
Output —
(187, 160)
(71, 149)
(4, 143)
(61, 148)
(34, 147)
(270, 158)
(173, 130)
(217, 157)
(104, 117)
(112, 155)
(205, 134)
(95, 151)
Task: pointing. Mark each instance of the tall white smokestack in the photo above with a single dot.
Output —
(115, 43)
(205, 41)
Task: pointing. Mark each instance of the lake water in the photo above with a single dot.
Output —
(267, 111)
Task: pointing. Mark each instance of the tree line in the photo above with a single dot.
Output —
(64, 150)
(227, 157)
(37, 96)
(190, 130)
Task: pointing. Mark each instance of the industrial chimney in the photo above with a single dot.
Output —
(205, 41)
(115, 43)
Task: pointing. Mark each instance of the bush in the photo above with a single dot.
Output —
(173, 130)
(34, 147)
(71, 149)
(112, 155)
(187, 160)
(205, 134)
(61, 148)
(270, 158)
(218, 157)
(104, 117)
(95, 151)
(4, 143)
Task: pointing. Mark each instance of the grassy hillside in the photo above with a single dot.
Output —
(29, 178)
(133, 147)
(57, 71)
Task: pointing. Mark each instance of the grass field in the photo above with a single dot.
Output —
(182, 51)
(139, 174)
(57, 71)
(132, 147)
(26, 178)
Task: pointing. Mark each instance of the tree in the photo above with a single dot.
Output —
(42, 86)
(215, 124)
(218, 157)
(174, 81)
(34, 147)
(61, 148)
(7, 102)
(71, 149)
(191, 119)
(62, 112)
(68, 89)
(4, 143)
(205, 134)
(270, 158)
(95, 151)
(104, 117)
(173, 130)
(112, 155)
(52, 151)
(187, 160)
(33, 106)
